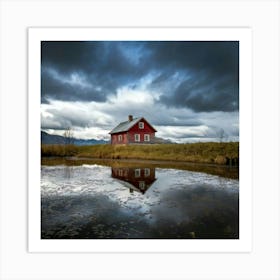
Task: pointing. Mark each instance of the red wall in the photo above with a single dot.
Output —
(115, 138)
(131, 136)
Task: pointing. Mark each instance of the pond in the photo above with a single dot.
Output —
(91, 201)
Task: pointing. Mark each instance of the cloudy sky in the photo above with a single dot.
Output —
(189, 91)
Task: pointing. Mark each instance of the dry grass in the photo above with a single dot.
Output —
(212, 152)
(59, 150)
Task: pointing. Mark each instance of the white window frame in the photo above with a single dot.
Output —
(137, 137)
(120, 138)
(148, 139)
(147, 172)
(141, 125)
(137, 173)
(142, 185)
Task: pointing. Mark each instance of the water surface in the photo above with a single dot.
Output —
(97, 202)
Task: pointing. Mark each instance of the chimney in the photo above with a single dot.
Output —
(130, 118)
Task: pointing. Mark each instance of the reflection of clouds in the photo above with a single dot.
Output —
(186, 205)
(75, 208)
(177, 197)
(68, 171)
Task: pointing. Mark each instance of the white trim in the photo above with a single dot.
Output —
(147, 172)
(141, 125)
(137, 173)
(142, 185)
(137, 137)
(148, 139)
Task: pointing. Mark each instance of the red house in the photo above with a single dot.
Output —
(133, 131)
(136, 179)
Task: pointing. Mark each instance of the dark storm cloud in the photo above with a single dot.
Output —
(202, 76)
(219, 57)
(104, 66)
(67, 56)
(188, 123)
(98, 57)
(205, 94)
(211, 74)
(62, 89)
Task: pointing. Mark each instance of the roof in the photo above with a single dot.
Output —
(135, 185)
(125, 126)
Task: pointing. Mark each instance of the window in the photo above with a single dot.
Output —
(147, 137)
(142, 185)
(120, 138)
(137, 137)
(141, 125)
(147, 172)
(137, 172)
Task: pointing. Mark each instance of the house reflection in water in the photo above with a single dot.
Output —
(136, 179)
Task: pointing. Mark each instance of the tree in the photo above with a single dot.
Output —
(221, 135)
(69, 147)
(68, 136)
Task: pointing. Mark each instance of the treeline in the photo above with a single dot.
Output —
(211, 152)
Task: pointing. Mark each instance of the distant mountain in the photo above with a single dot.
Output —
(51, 139)
(159, 140)
(47, 138)
(83, 142)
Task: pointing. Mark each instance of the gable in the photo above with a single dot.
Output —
(128, 125)
(147, 126)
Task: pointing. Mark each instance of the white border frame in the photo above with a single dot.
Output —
(263, 260)
(243, 35)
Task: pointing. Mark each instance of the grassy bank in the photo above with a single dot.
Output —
(218, 153)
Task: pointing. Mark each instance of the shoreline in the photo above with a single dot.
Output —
(210, 168)
(152, 161)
